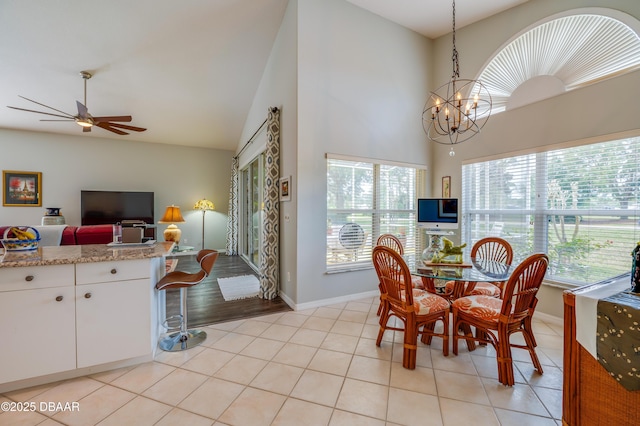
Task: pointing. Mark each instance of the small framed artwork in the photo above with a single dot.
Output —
(446, 187)
(285, 188)
(21, 189)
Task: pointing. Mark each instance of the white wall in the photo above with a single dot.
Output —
(177, 175)
(278, 88)
(362, 84)
(575, 115)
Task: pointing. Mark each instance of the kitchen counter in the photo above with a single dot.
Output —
(61, 255)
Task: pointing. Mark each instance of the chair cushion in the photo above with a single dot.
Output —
(427, 303)
(483, 307)
(481, 289)
(416, 282)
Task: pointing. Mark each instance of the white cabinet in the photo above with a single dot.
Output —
(113, 311)
(37, 321)
(56, 320)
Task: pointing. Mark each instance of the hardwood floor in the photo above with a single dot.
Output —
(205, 304)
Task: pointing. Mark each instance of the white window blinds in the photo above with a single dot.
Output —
(366, 199)
(580, 205)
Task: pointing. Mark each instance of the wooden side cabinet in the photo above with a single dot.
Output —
(590, 395)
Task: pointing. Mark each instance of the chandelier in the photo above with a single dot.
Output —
(456, 111)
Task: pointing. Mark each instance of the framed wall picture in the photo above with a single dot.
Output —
(21, 189)
(285, 188)
(446, 187)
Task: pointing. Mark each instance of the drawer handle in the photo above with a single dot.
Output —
(87, 295)
(59, 299)
(114, 271)
(29, 278)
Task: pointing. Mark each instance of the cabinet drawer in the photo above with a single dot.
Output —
(101, 272)
(32, 277)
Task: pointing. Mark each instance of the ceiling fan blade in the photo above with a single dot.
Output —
(70, 117)
(106, 126)
(125, 118)
(66, 121)
(46, 106)
(126, 127)
(83, 112)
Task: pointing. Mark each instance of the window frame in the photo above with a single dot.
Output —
(376, 212)
(540, 212)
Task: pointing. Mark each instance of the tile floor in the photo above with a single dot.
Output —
(314, 367)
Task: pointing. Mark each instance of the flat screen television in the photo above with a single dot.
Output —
(108, 207)
(438, 213)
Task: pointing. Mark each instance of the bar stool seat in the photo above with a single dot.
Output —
(185, 338)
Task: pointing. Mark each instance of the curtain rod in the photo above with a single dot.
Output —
(273, 109)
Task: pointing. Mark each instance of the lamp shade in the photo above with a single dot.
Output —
(172, 215)
(204, 204)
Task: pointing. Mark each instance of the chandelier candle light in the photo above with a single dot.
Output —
(456, 111)
(204, 205)
(172, 215)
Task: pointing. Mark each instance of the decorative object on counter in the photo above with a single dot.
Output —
(20, 238)
(21, 189)
(204, 205)
(172, 216)
(635, 269)
(52, 216)
(117, 233)
(448, 253)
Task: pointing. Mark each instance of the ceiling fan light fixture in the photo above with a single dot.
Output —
(84, 122)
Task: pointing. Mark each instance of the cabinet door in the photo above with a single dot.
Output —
(37, 332)
(113, 321)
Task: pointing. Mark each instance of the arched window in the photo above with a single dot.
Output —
(565, 52)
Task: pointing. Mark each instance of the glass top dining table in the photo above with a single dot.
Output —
(464, 275)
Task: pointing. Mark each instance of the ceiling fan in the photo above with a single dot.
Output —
(86, 120)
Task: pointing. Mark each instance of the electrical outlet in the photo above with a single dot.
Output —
(288, 276)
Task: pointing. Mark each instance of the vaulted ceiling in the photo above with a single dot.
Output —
(187, 70)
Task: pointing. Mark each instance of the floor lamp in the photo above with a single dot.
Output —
(204, 205)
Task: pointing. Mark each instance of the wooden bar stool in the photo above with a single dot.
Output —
(185, 339)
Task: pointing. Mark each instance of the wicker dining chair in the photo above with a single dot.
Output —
(417, 309)
(394, 243)
(496, 320)
(490, 248)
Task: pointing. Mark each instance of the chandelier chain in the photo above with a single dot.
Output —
(454, 54)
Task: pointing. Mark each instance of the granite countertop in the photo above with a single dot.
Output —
(60, 255)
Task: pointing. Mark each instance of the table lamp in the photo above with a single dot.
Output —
(172, 215)
(204, 205)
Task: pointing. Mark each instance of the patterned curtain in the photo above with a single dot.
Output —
(270, 256)
(232, 222)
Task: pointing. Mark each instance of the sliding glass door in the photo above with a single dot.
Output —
(252, 183)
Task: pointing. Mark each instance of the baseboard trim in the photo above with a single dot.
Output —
(326, 302)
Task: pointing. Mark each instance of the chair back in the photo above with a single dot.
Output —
(391, 241)
(394, 276)
(519, 295)
(206, 259)
(493, 248)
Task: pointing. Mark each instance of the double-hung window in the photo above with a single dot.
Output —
(580, 205)
(366, 198)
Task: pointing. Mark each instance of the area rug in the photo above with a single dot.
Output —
(240, 287)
